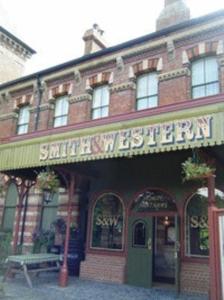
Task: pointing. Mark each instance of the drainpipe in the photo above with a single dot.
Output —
(39, 92)
(24, 219)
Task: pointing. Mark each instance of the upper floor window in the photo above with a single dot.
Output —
(101, 98)
(61, 111)
(147, 91)
(23, 120)
(205, 77)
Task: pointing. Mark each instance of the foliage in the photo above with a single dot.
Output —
(5, 247)
(59, 226)
(42, 239)
(48, 180)
(196, 170)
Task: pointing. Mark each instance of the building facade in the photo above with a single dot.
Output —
(124, 119)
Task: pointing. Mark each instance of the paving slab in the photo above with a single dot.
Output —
(45, 287)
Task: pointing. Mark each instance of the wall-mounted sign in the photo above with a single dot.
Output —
(153, 200)
(134, 140)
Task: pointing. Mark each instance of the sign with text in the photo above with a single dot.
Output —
(143, 139)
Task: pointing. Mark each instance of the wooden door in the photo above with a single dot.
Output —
(140, 246)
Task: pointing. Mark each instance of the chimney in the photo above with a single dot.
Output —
(94, 40)
(174, 12)
(13, 55)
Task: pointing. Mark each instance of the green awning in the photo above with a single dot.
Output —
(161, 133)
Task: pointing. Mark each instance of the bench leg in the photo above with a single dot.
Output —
(27, 276)
(7, 272)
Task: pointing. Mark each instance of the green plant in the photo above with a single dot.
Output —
(42, 239)
(196, 170)
(48, 180)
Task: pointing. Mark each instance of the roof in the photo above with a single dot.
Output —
(113, 49)
(15, 39)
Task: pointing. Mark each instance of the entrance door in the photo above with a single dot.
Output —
(139, 267)
(153, 251)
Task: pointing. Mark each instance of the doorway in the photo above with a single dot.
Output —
(151, 250)
(153, 240)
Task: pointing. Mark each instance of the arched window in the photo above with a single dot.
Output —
(107, 223)
(10, 207)
(139, 234)
(196, 224)
(205, 77)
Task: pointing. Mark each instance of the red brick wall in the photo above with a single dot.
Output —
(194, 277)
(122, 102)
(103, 268)
(80, 112)
(174, 90)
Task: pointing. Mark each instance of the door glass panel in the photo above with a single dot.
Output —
(164, 261)
(139, 234)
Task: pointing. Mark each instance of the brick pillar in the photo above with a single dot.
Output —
(32, 220)
(63, 211)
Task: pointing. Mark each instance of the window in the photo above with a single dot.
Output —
(205, 77)
(139, 234)
(23, 120)
(147, 91)
(10, 208)
(100, 107)
(107, 226)
(61, 111)
(196, 227)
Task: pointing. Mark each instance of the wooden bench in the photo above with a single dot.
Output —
(31, 264)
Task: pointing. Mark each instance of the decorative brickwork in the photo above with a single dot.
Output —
(103, 268)
(195, 277)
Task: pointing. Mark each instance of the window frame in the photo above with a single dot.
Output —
(61, 116)
(205, 84)
(147, 95)
(100, 107)
(24, 124)
(187, 244)
(90, 240)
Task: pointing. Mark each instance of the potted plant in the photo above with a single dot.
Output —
(196, 170)
(48, 183)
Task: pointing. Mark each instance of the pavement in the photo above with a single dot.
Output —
(45, 287)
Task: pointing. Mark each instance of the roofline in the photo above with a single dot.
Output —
(130, 43)
(13, 37)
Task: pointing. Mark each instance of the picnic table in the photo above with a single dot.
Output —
(31, 264)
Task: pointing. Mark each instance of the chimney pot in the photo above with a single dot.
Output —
(94, 40)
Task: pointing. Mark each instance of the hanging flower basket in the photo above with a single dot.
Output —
(196, 170)
(48, 181)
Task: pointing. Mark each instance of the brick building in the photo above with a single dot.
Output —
(122, 120)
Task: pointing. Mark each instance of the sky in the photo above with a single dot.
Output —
(54, 28)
